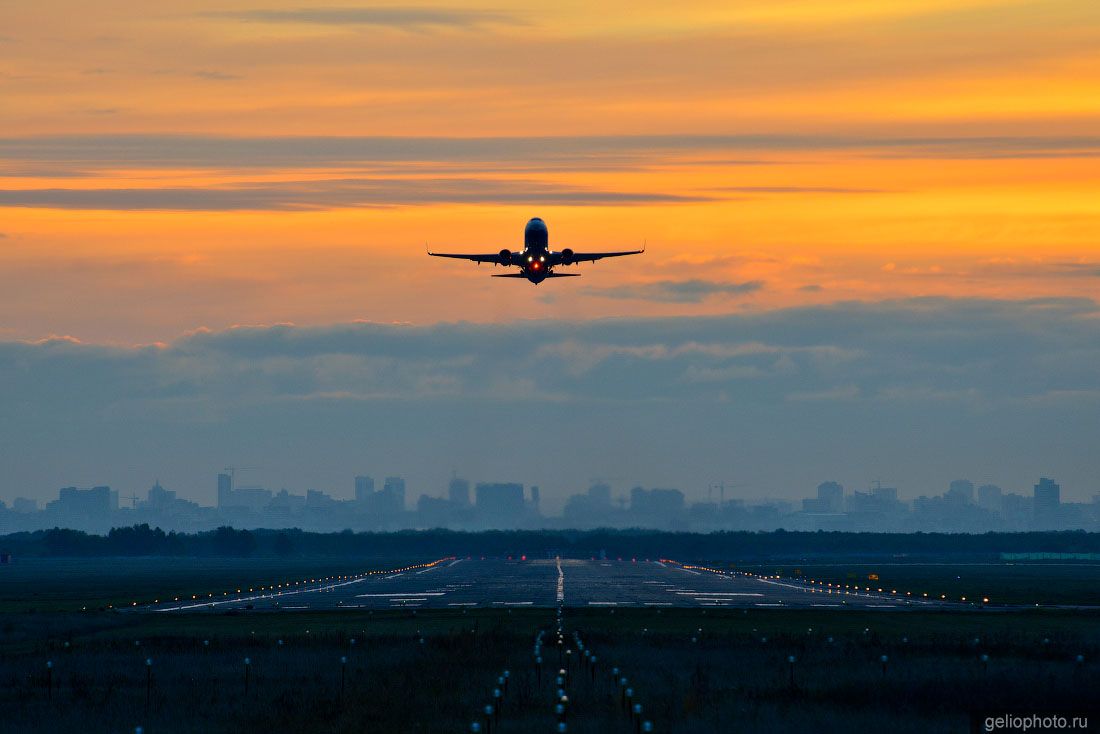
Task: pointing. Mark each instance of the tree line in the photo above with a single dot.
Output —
(142, 540)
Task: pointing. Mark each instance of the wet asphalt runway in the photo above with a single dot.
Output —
(496, 583)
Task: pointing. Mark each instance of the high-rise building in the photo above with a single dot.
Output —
(599, 495)
(364, 488)
(254, 499)
(656, 507)
(160, 498)
(535, 498)
(830, 496)
(393, 495)
(885, 495)
(499, 505)
(458, 492)
(318, 500)
(225, 490)
(83, 505)
(989, 497)
(961, 491)
(22, 504)
(1047, 499)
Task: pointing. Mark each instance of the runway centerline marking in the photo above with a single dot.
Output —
(718, 593)
(560, 594)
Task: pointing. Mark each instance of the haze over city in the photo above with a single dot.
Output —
(391, 505)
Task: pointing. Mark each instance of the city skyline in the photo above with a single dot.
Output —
(389, 505)
(364, 484)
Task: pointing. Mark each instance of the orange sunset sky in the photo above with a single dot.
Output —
(175, 165)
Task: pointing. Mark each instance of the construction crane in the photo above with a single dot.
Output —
(721, 487)
(133, 500)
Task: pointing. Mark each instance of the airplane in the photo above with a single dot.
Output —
(537, 261)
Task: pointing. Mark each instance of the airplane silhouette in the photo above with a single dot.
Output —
(536, 261)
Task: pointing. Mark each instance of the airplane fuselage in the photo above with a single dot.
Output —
(533, 261)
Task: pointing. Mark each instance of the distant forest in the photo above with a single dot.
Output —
(141, 540)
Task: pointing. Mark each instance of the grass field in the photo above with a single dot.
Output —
(1001, 583)
(73, 584)
(692, 670)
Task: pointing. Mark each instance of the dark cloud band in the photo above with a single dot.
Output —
(330, 194)
(679, 291)
(282, 152)
(390, 17)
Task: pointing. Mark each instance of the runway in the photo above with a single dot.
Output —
(495, 583)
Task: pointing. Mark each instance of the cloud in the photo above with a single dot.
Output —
(1041, 268)
(924, 388)
(800, 190)
(995, 347)
(678, 291)
(390, 17)
(330, 194)
(216, 76)
(842, 392)
(624, 151)
(1030, 269)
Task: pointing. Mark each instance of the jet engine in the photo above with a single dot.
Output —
(567, 256)
(505, 257)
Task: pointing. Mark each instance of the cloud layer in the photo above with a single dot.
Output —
(392, 17)
(221, 151)
(917, 390)
(331, 194)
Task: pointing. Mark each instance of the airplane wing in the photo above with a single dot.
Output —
(588, 257)
(493, 258)
(551, 274)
